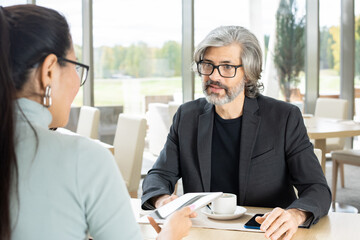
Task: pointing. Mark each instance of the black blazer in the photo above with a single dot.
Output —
(275, 155)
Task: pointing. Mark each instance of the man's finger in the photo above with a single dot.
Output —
(172, 197)
(271, 218)
(154, 224)
(289, 235)
(262, 219)
(169, 199)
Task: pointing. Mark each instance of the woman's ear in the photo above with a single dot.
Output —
(49, 70)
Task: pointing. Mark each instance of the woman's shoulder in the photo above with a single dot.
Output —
(73, 147)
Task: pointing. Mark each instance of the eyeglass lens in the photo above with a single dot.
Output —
(82, 73)
(224, 70)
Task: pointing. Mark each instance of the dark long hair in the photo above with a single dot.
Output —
(28, 33)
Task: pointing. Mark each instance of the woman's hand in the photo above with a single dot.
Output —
(176, 226)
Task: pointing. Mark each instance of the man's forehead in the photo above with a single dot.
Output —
(229, 53)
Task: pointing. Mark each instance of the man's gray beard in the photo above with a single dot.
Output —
(230, 94)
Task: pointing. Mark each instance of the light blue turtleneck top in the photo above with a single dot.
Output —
(68, 186)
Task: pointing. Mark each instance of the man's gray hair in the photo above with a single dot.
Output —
(250, 55)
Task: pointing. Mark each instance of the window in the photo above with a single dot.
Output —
(329, 16)
(137, 52)
(357, 44)
(357, 60)
(288, 50)
(6, 3)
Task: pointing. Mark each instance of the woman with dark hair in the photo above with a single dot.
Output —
(54, 186)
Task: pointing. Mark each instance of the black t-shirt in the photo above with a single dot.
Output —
(225, 155)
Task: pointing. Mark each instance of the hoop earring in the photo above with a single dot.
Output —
(47, 101)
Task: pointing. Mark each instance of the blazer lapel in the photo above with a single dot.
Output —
(204, 140)
(249, 130)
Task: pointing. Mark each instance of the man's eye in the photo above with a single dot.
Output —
(227, 67)
(207, 65)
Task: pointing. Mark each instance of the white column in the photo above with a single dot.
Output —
(312, 55)
(188, 77)
(269, 75)
(87, 48)
(347, 54)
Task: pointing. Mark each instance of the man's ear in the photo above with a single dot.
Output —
(48, 70)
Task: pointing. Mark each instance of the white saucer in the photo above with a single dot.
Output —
(238, 212)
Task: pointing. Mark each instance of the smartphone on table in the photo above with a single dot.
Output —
(252, 224)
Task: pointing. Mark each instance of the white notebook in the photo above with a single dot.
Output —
(199, 200)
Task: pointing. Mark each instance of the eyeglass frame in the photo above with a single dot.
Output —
(79, 64)
(217, 67)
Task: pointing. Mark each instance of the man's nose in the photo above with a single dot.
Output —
(215, 74)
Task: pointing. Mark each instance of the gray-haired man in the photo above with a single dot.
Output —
(238, 141)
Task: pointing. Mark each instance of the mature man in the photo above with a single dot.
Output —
(241, 142)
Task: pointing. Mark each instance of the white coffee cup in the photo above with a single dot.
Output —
(225, 204)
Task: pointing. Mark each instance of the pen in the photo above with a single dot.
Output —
(211, 211)
(154, 224)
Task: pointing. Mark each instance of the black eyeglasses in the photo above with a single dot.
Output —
(81, 69)
(225, 70)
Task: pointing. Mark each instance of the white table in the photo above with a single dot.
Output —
(321, 128)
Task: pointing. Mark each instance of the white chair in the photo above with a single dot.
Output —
(129, 144)
(339, 158)
(337, 109)
(88, 123)
(159, 118)
(332, 108)
(318, 154)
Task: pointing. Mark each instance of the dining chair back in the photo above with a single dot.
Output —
(332, 108)
(318, 154)
(339, 158)
(129, 145)
(159, 118)
(88, 123)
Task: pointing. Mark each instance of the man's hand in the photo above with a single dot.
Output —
(280, 222)
(162, 200)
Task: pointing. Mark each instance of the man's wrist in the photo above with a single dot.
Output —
(300, 215)
(154, 200)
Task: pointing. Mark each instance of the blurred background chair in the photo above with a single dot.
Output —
(318, 154)
(337, 109)
(159, 118)
(129, 145)
(332, 108)
(339, 158)
(88, 123)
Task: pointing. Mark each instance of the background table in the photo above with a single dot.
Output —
(321, 128)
